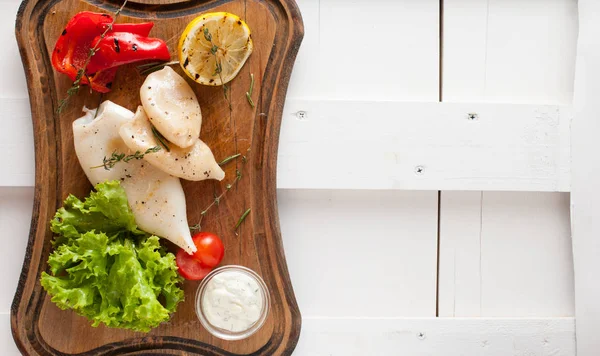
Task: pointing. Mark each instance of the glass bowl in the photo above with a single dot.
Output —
(224, 333)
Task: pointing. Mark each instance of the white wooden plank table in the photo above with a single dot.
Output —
(372, 272)
(586, 167)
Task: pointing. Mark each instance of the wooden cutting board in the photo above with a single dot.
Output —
(38, 326)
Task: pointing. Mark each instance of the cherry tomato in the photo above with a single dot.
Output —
(209, 247)
(189, 267)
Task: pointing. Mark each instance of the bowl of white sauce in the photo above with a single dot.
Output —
(232, 302)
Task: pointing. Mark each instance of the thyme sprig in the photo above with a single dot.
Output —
(218, 67)
(249, 92)
(115, 157)
(74, 89)
(217, 200)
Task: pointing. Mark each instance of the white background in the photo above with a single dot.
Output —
(363, 256)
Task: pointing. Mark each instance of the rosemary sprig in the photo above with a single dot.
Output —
(74, 89)
(229, 159)
(148, 68)
(160, 138)
(115, 157)
(249, 92)
(242, 218)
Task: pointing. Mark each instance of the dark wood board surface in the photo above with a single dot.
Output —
(38, 326)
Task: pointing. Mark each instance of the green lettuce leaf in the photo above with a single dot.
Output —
(107, 270)
(105, 210)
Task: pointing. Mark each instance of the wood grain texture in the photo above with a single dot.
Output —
(41, 328)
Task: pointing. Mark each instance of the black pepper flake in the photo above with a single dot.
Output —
(197, 76)
(187, 61)
(239, 22)
(149, 87)
(134, 47)
(177, 159)
(132, 136)
(128, 175)
(64, 32)
(117, 48)
(143, 202)
(109, 85)
(212, 80)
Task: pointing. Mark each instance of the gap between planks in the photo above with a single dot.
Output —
(439, 200)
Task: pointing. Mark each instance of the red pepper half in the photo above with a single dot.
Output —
(142, 29)
(72, 48)
(120, 48)
(83, 31)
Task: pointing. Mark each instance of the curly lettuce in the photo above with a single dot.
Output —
(105, 268)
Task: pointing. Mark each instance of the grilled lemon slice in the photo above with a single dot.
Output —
(214, 47)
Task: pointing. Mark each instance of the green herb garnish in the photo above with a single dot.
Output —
(249, 92)
(115, 157)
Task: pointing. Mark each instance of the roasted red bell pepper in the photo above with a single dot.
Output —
(119, 48)
(84, 31)
(142, 29)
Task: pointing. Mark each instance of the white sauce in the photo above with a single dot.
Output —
(232, 301)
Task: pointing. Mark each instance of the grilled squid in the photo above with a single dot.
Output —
(155, 197)
(193, 163)
(172, 107)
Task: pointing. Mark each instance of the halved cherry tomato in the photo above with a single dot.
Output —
(209, 254)
(189, 267)
(210, 250)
